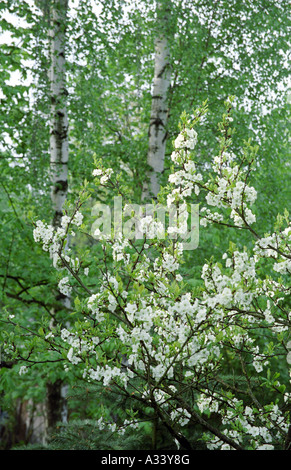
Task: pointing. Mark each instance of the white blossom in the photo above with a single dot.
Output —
(64, 286)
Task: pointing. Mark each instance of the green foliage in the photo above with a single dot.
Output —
(233, 47)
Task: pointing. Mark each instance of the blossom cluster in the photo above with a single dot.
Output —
(184, 179)
(103, 174)
(277, 246)
(229, 188)
(261, 428)
(53, 238)
(143, 324)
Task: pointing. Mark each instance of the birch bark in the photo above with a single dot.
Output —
(59, 148)
(59, 156)
(159, 108)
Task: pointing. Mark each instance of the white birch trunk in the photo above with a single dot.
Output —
(53, 410)
(59, 155)
(59, 120)
(159, 109)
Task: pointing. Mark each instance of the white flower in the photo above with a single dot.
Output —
(179, 142)
(65, 334)
(192, 134)
(97, 172)
(249, 413)
(249, 216)
(104, 179)
(43, 233)
(73, 359)
(130, 309)
(78, 219)
(190, 166)
(105, 174)
(283, 267)
(192, 138)
(169, 263)
(113, 281)
(65, 221)
(64, 286)
(258, 366)
(201, 314)
(112, 303)
(23, 370)
(175, 157)
(251, 194)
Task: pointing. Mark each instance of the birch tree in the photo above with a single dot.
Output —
(59, 148)
(59, 156)
(159, 107)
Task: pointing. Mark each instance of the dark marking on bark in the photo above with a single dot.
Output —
(60, 185)
(161, 73)
(157, 122)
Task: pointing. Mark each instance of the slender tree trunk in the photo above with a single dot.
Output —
(59, 148)
(59, 152)
(55, 405)
(159, 109)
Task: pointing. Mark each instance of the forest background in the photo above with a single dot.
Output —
(90, 81)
